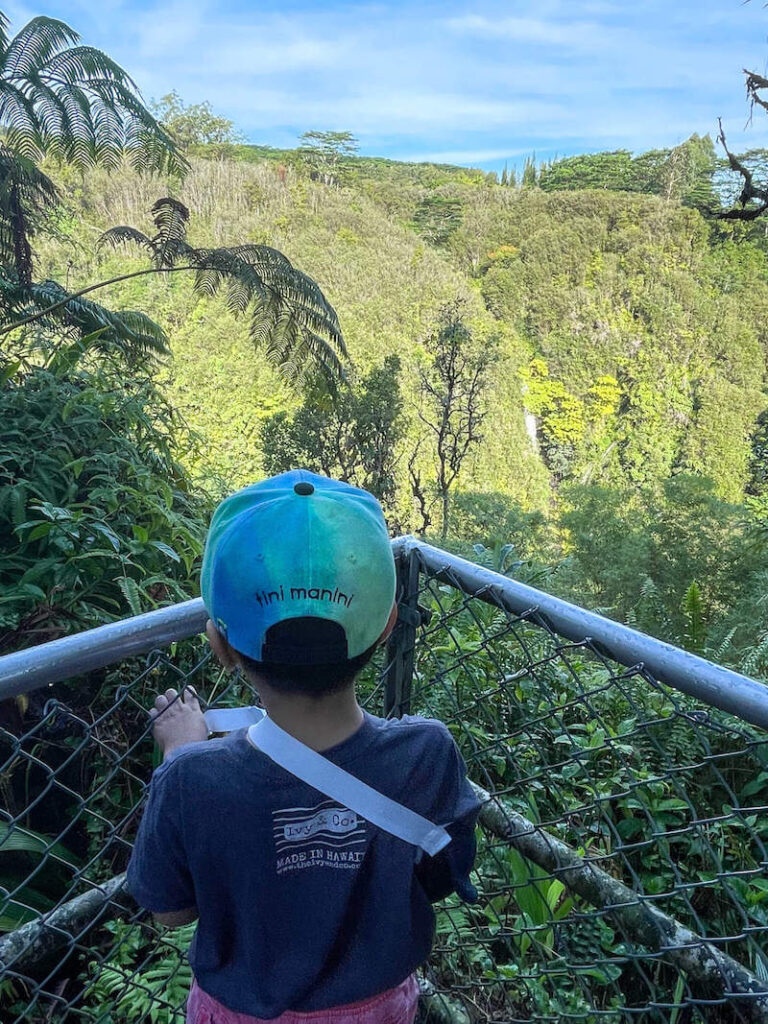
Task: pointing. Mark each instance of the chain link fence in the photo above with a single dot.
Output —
(622, 846)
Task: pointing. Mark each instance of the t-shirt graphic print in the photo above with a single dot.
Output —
(304, 905)
(324, 836)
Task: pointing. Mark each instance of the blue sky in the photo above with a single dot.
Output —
(477, 82)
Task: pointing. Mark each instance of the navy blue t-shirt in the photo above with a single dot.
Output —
(303, 904)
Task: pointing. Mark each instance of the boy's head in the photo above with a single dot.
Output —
(299, 579)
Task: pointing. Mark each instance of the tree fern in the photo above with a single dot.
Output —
(290, 318)
(74, 102)
(26, 194)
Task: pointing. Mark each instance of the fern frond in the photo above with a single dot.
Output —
(261, 256)
(290, 318)
(75, 102)
(170, 218)
(128, 333)
(125, 235)
(720, 653)
(34, 45)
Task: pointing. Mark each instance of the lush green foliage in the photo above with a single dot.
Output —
(630, 340)
(354, 435)
(619, 769)
(145, 978)
(34, 869)
(97, 518)
(684, 173)
(195, 125)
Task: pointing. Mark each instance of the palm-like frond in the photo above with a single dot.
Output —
(290, 318)
(25, 195)
(75, 102)
(124, 235)
(168, 245)
(130, 334)
(170, 242)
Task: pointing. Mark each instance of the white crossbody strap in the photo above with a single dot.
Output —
(230, 719)
(326, 777)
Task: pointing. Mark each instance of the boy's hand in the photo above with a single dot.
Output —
(177, 720)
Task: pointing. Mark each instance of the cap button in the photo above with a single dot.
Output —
(302, 487)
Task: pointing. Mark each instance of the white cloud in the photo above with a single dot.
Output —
(475, 80)
(568, 35)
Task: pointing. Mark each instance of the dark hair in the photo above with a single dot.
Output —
(309, 680)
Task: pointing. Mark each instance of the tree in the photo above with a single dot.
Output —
(353, 434)
(591, 170)
(687, 172)
(561, 416)
(453, 387)
(290, 316)
(194, 125)
(437, 217)
(74, 103)
(530, 173)
(324, 153)
(684, 173)
(752, 201)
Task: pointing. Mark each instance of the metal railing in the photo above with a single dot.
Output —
(622, 856)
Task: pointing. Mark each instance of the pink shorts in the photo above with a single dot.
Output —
(395, 1006)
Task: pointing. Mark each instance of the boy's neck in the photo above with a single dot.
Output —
(318, 722)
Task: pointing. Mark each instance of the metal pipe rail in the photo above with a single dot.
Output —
(714, 685)
(719, 687)
(665, 757)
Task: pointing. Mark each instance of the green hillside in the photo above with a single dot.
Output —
(630, 328)
(558, 373)
(627, 389)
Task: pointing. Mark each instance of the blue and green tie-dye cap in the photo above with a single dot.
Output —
(298, 569)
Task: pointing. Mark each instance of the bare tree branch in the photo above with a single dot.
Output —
(750, 192)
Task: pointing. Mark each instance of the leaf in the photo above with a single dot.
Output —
(16, 838)
(110, 535)
(166, 549)
(131, 593)
(41, 530)
(8, 371)
(756, 786)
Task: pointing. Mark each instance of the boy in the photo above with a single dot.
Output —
(306, 910)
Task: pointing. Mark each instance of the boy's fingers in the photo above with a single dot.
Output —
(190, 697)
(162, 701)
(171, 694)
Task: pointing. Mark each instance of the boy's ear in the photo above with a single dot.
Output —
(220, 647)
(391, 621)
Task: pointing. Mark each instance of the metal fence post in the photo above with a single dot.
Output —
(401, 645)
